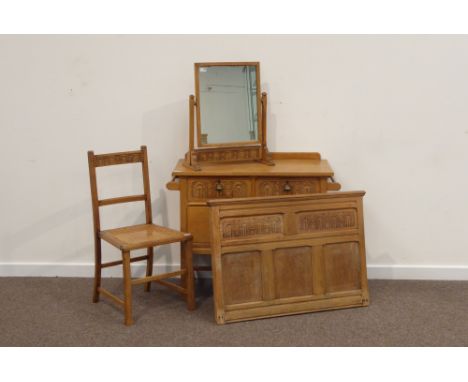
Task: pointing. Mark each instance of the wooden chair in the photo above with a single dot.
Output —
(136, 237)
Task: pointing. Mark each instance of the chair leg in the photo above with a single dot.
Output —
(127, 275)
(188, 281)
(97, 268)
(183, 263)
(149, 267)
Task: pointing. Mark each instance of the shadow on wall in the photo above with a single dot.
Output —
(165, 133)
(163, 254)
(380, 264)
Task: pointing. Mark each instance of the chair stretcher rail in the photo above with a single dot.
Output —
(111, 296)
(144, 280)
(118, 262)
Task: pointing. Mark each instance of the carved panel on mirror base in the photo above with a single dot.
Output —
(287, 255)
(238, 154)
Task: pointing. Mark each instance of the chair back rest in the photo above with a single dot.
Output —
(112, 159)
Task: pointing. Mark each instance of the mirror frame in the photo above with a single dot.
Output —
(259, 140)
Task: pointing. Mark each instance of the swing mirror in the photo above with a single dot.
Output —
(228, 104)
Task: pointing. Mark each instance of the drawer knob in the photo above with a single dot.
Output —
(287, 187)
(219, 186)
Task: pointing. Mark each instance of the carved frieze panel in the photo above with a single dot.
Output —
(316, 221)
(251, 226)
(114, 159)
(229, 155)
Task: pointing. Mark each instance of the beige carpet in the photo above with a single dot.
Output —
(59, 312)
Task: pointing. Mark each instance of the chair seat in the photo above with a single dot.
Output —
(142, 236)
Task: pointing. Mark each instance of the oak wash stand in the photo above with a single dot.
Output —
(292, 174)
(228, 158)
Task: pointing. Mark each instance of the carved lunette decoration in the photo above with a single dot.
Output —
(206, 189)
(271, 187)
(312, 221)
(244, 227)
(304, 186)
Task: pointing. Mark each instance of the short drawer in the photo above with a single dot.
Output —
(201, 189)
(286, 186)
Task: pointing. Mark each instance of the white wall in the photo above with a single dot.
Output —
(389, 112)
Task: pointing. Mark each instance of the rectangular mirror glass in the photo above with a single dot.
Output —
(228, 102)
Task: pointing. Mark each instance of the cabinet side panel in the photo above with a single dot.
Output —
(197, 224)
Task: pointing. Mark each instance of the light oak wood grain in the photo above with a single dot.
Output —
(134, 237)
(263, 268)
(292, 174)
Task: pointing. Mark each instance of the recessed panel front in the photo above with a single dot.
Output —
(342, 266)
(242, 277)
(293, 272)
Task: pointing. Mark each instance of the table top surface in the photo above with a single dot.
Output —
(282, 167)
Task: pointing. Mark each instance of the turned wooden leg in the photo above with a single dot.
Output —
(97, 268)
(149, 267)
(127, 275)
(188, 281)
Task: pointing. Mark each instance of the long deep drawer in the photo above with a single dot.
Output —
(286, 186)
(202, 189)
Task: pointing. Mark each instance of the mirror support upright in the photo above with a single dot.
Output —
(266, 157)
(191, 157)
